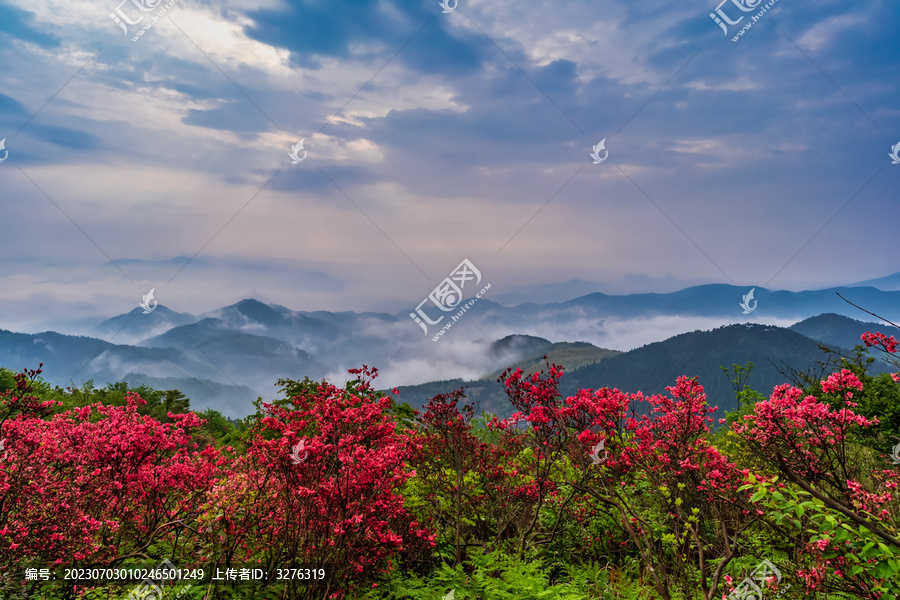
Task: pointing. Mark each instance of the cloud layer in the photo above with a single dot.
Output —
(435, 137)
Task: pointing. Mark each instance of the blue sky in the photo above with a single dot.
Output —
(434, 137)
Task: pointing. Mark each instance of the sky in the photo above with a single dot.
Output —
(437, 133)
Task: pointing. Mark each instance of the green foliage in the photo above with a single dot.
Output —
(403, 413)
(7, 379)
(499, 576)
(159, 403)
(869, 563)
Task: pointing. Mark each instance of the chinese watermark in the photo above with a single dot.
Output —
(895, 456)
(447, 296)
(895, 153)
(724, 21)
(6, 152)
(751, 588)
(146, 6)
(445, 4)
(748, 298)
(35, 574)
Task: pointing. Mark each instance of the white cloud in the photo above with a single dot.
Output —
(822, 33)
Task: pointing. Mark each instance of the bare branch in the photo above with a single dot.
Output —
(866, 311)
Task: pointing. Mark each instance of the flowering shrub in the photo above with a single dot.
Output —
(854, 511)
(318, 486)
(97, 485)
(663, 478)
(20, 402)
(468, 488)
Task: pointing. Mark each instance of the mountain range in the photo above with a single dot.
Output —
(225, 358)
(776, 353)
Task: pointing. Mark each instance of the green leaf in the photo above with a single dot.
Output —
(884, 570)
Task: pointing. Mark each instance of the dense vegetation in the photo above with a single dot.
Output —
(598, 494)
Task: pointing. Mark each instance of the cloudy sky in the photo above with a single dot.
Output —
(162, 160)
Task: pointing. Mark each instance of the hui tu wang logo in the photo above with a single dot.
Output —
(6, 152)
(595, 453)
(146, 304)
(752, 587)
(152, 587)
(895, 456)
(295, 153)
(895, 153)
(747, 299)
(144, 6)
(596, 153)
(298, 452)
(448, 295)
(445, 4)
(723, 20)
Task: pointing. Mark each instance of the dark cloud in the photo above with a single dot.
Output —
(19, 24)
(357, 29)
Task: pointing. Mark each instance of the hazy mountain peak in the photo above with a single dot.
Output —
(259, 312)
(136, 325)
(889, 283)
(521, 345)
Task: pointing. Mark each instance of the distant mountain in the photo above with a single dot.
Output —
(252, 360)
(249, 345)
(135, 325)
(487, 391)
(73, 360)
(571, 355)
(707, 300)
(888, 283)
(545, 293)
(335, 339)
(235, 402)
(837, 330)
(651, 368)
(519, 345)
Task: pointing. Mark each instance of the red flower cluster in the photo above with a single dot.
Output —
(877, 339)
(98, 482)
